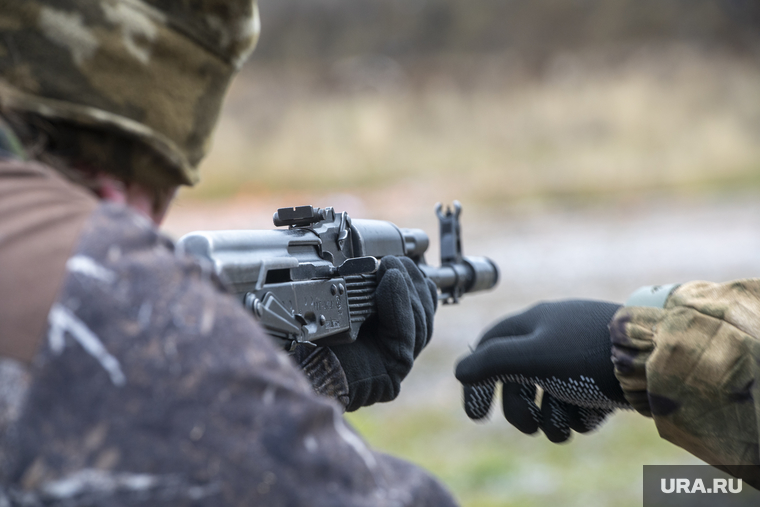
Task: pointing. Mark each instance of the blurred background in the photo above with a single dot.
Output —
(596, 146)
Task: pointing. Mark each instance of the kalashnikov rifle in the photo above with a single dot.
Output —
(314, 281)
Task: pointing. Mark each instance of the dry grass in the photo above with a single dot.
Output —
(488, 130)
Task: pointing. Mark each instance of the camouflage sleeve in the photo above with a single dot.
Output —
(153, 388)
(693, 365)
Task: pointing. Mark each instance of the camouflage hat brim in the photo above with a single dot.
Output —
(137, 67)
(169, 152)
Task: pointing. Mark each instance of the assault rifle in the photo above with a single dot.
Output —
(314, 282)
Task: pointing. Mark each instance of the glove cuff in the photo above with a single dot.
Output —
(322, 368)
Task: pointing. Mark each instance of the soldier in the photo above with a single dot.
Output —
(686, 356)
(127, 376)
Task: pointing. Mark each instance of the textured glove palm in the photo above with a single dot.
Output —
(562, 347)
(390, 340)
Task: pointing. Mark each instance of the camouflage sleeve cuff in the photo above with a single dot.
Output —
(322, 368)
(693, 367)
(632, 335)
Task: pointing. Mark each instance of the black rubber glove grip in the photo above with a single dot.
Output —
(562, 347)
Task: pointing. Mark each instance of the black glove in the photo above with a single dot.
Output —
(390, 340)
(562, 347)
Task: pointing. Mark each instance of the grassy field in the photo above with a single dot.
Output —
(491, 464)
(489, 130)
(387, 139)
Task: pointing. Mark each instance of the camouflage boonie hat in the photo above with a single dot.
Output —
(153, 70)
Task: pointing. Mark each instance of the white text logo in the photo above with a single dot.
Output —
(686, 486)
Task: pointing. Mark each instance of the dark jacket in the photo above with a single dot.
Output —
(149, 385)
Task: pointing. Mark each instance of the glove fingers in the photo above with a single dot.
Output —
(430, 307)
(508, 356)
(395, 316)
(418, 316)
(554, 420)
(386, 263)
(584, 419)
(423, 316)
(422, 303)
(426, 288)
(478, 398)
(519, 404)
(433, 289)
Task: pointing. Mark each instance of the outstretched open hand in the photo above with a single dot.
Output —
(564, 348)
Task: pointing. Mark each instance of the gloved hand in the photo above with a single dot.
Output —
(562, 347)
(389, 341)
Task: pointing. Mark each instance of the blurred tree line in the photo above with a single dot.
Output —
(333, 29)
